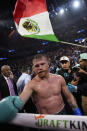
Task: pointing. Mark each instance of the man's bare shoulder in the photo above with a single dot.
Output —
(30, 84)
(33, 82)
(35, 79)
(56, 76)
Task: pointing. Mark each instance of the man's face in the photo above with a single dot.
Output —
(65, 64)
(6, 71)
(83, 63)
(41, 67)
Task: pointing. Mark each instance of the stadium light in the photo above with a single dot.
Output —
(3, 58)
(76, 4)
(11, 51)
(61, 11)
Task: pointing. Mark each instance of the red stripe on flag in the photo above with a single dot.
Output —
(27, 8)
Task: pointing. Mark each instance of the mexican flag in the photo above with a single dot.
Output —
(32, 20)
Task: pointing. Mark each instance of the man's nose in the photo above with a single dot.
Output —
(40, 66)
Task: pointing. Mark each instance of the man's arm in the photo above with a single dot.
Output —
(70, 99)
(82, 71)
(9, 107)
(27, 92)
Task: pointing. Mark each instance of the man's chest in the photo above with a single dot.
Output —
(46, 89)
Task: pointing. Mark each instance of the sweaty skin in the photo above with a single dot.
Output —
(46, 88)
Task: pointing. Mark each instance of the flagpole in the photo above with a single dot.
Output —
(72, 44)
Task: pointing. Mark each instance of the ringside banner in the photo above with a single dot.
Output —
(52, 122)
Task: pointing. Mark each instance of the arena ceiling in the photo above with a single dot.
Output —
(66, 27)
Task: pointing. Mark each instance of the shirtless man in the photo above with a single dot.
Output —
(45, 89)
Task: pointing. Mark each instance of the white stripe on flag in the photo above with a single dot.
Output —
(43, 22)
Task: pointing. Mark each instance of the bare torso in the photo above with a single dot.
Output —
(47, 94)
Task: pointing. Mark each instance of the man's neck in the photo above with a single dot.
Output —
(45, 77)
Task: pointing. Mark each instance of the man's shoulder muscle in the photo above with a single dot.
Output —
(57, 76)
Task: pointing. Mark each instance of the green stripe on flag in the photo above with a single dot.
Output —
(45, 37)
